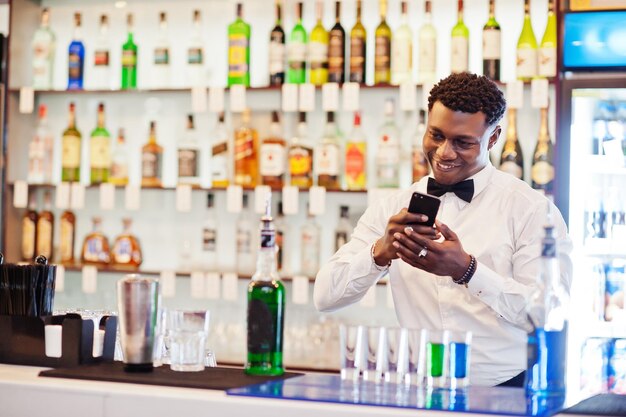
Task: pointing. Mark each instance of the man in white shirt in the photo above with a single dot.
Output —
(476, 269)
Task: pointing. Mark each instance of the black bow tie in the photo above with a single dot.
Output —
(464, 189)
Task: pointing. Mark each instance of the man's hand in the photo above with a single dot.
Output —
(385, 250)
(445, 258)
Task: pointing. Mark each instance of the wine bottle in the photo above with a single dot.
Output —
(246, 149)
(129, 58)
(100, 75)
(43, 46)
(45, 228)
(100, 150)
(273, 156)
(427, 44)
(358, 46)
(459, 61)
(318, 49)
(161, 74)
(151, 160)
(356, 157)
(337, 49)
(29, 231)
(526, 48)
(239, 50)
(67, 237)
(511, 158)
(119, 161)
(70, 154)
(542, 171)
(328, 156)
(296, 52)
(492, 45)
(547, 49)
(76, 59)
(402, 51)
(40, 151)
(382, 48)
(277, 50)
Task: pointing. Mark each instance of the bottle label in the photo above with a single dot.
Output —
(70, 152)
(75, 64)
(161, 56)
(277, 55)
(355, 161)
(244, 241)
(491, 44)
(542, 173)
(300, 163)
(327, 160)
(187, 163)
(420, 165)
(28, 239)
(336, 52)
(428, 55)
(262, 325)
(357, 58)
(512, 168)
(237, 55)
(195, 56)
(310, 253)
(268, 239)
(244, 145)
(382, 56)
(96, 249)
(318, 55)
(41, 50)
(150, 165)
(44, 238)
(129, 58)
(526, 63)
(547, 62)
(296, 55)
(66, 243)
(100, 153)
(123, 250)
(101, 58)
(460, 54)
(219, 162)
(209, 239)
(119, 171)
(402, 56)
(388, 151)
(272, 159)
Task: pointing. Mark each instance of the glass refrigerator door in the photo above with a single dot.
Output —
(597, 206)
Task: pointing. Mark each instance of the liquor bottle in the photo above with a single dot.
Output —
(358, 47)
(220, 155)
(40, 151)
(328, 156)
(318, 49)
(542, 171)
(547, 49)
(70, 154)
(402, 51)
(189, 155)
(420, 167)
(100, 150)
(296, 50)
(277, 50)
(100, 74)
(526, 48)
(151, 160)
(246, 159)
(245, 254)
(273, 156)
(511, 158)
(43, 46)
(161, 57)
(344, 228)
(427, 46)
(119, 161)
(491, 44)
(95, 249)
(209, 235)
(337, 49)
(129, 58)
(29, 231)
(195, 53)
(76, 57)
(45, 228)
(126, 252)
(382, 48)
(300, 157)
(356, 157)
(67, 237)
(388, 153)
(266, 308)
(239, 50)
(547, 314)
(459, 61)
(310, 247)
(281, 235)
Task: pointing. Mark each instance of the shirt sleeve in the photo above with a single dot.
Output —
(509, 296)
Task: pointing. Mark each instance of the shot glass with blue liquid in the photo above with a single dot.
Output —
(460, 343)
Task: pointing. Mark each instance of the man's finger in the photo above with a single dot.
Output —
(447, 233)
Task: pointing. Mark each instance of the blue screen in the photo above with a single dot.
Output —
(595, 40)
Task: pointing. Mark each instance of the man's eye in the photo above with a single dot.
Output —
(436, 136)
(464, 144)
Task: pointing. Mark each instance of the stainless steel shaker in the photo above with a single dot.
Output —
(137, 303)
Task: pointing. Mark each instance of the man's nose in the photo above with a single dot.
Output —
(446, 151)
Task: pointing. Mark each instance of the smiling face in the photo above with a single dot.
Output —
(457, 144)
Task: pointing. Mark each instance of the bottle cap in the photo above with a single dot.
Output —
(344, 211)
(330, 117)
(210, 200)
(275, 118)
(302, 117)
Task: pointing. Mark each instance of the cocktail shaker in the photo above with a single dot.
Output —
(137, 300)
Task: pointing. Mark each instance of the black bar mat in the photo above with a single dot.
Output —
(210, 378)
(600, 405)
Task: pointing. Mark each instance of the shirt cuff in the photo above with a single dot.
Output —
(366, 272)
(486, 284)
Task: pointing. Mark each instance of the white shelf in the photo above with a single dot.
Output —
(602, 164)
(604, 247)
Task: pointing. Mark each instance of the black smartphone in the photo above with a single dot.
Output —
(425, 204)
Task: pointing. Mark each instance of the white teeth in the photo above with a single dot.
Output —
(442, 166)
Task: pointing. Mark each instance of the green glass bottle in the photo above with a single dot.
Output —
(547, 49)
(71, 149)
(296, 52)
(382, 48)
(318, 49)
(266, 307)
(491, 45)
(100, 150)
(239, 50)
(526, 48)
(358, 45)
(129, 58)
(459, 61)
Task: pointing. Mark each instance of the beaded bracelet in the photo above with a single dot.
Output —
(469, 273)
(380, 268)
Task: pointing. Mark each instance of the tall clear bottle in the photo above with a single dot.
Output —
(328, 156)
(547, 48)
(459, 61)
(337, 49)
(151, 160)
(318, 49)
(239, 50)
(40, 150)
(209, 235)
(71, 153)
(542, 172)
(388, 152)
(161, 66)
(382, 48)
(100, 150)
(420, 167)
(220, 155)
(296, 50)
(427, 46)
(282, 228)
(189, 155)
(358, 47)
(273, 162)
(402, 50)
(277, 50)
(344, 228)
(43, 47)
(129, 57)
(266, 307)
(310, 245)
(76, 57)
(300, 156)
(119, 161)
(100, 75)
(245, 255)
(356, 157)
(246, 153)
(492, 44)
(511, 158)
(195, 53)
(526, 67)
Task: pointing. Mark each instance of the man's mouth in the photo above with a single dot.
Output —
(445, 167)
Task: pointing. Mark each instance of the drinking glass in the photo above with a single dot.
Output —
(351, 346)
(417, 339)
(460, 347)
(437, 358)
(188, 340)
(376, 364)
(397, 356)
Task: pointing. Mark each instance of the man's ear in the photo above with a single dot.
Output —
(493, 139)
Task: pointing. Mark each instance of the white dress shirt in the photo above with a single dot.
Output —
(503, 228)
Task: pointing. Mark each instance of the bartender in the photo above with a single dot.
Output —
(476, 268)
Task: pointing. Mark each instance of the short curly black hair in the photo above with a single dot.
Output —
(469, 93)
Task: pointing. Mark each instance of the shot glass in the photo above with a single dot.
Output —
(437, 352)
(188, 339)
(376, 365)
(351, 347)
(460, 343)
(397, 356)
(416, 341)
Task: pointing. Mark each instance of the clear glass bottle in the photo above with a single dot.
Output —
(245, 253)
(41, 151)
(310, 246)
(71, 153)
(220, 155)
(45, 229)
(95, 249)
(402, 50)
(420, 167)
(542, 171)
(100, 75)
(76, 57)
(344, 228)
(195, 53)
(328, 156)
(459, 61)
(100, 150)
(358, 47)
(209, 235)
(337, 49)
(151, 160)
(273, 156)
(382, 48)
(388, 152)
(492, 44)
(427, 47)
(246, 153)
(67, 237)
(161, 68)
(119, 161)
(43, 46)
(189, 155)
(300, 156)
(126, 252)
(356, 157)
(239, 50)
(511, 158)
(282, 228)
(526, 66)
(277, 50)
(297, 50)
(29, 230)
(129, 57)
(318, 49)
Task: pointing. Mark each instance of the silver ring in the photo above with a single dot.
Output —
(423, 252)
